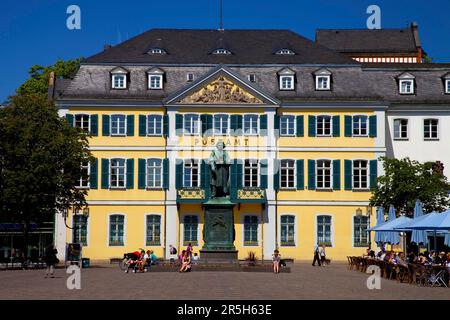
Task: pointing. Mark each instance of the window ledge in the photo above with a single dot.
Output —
(361, 189)
(118, 135)
(154, 188)
(288, 189)
(288, 244)
(401, 139)
(251, 244)
(431, 139)
(117, 188)
(193, 243)
(324, 189)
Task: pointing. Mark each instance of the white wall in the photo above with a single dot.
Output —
(416, 147)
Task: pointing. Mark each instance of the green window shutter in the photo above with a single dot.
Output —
(348, 174)
(207, 123)
(130, 173)
(300, 174)
(263, 125)
(311, 174)
(263, 174)
(93, 177)
(372, 126)
(336, 126)
(348, 126)
(105, 125)
(142, 125)
(239, 173)
(141, 174)
(130, 125)
(105, 173)
(373, 173)
(336, 174)
(276, 124)
(276, 178)
(311, 126)
(166, 173)
(300, 126)
(166, 125)
(233, 180)
(236, 124)
(179, 174)
(94, 124)
(69, 118)
(205, 175)
(179, 124)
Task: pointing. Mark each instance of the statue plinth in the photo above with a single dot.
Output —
(218, 231)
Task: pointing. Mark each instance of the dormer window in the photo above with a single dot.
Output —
(285, 52)
(406, 83)
(155, 79)
(252, 77)
(190, 77)
(286, 79)
(156, 51)
(446, 80)
(222, 51)
(119, 78)
(323, 79)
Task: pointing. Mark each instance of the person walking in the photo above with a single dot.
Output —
(316, 255)
(50, 260)
(322, 255)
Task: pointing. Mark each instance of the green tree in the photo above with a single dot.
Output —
(37, 84)
(40, 158)
(407, 180)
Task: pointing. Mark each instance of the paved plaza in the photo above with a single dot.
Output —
(304, 282)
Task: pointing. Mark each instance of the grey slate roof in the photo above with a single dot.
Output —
(194, 46)
(369, 41)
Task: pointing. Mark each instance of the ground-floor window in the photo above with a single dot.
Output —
(190, 235)
(116, 230)
(80, 229)
(287, 230)
(360, 234)
(324, 230)
(153, 230)
(251, 230)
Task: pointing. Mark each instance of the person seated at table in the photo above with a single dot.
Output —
(411, 258)
(422, 259)
(400, 259)
(439, 258)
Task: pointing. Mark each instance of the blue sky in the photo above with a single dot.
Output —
(34, 31)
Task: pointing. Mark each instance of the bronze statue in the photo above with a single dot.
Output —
(220, 171)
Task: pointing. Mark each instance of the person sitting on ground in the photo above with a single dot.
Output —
(195, 258)
(189, 249)
(186, 262)
(140, 262)
(153, 258)
(146, 260)
(132, 259)
(276, 259)
(181, 256)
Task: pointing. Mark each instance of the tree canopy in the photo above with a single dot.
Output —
(405, 180)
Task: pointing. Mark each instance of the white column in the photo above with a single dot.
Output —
(269, 230)
(172, 223)
(60, 236)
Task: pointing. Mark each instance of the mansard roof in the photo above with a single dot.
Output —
(193, 46)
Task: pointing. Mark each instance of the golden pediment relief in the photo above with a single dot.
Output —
(221, 91)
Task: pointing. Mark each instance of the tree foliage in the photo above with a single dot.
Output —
(404, 181)
(37, 84)
(40, 158)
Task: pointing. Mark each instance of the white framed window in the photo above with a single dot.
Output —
(287, 174)
(119, 81)
(430, 129)
(360, 174)
(323, 82)
(251, 77)
(287, 82)
(118, 125)
(287, 125)
(251, 125)
(250, 230)
(285, 51)
(117, 173)
(222, 51)
(191, 173)
(324, 230)
(82, 122)
(447, 86)
(287, 230)
(191, 124)
(157, 51)
(401, 129)
(190, 229)
(154, 125)
(359, 127)
(406, 86)
(116, 229)
(86, 171)
(153, 230)
(190, 77)
(80, 230)
(324, 174)
(155, 81)
(323, 125)
(251, 173)
(221, 124)
(360, 233)
(154, 172)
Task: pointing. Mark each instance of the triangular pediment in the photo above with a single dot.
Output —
(221, 86)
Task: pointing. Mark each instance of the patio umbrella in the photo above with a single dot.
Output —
(447, 239)
(419, 236)
(379, 236)
(392, 225)
(392, 237)
(434, 222)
